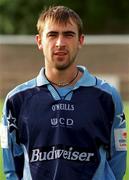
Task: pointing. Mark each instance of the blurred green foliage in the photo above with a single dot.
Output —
(99, 16)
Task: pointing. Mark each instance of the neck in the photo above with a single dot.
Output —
(62, 80)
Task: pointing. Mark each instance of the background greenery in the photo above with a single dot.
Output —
(99, 16)
(126, 106)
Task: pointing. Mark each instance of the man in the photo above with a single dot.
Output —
(65, 124)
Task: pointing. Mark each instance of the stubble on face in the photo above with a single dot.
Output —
(65, 64)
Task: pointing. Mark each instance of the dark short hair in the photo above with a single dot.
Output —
(59, 14)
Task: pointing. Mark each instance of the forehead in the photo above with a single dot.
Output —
(56, 26)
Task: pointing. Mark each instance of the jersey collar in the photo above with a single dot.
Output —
(86, 80)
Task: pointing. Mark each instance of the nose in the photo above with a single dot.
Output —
(60, 41)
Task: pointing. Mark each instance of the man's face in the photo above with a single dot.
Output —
(60, 44)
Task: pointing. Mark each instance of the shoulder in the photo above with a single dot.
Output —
(110, 89)
(22, 87)
(105, 86)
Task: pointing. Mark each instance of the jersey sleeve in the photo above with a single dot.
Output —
(118, 146)
(13, 158)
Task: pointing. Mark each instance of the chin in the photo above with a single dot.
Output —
(62, 67)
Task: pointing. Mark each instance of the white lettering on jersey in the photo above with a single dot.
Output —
(61, 106)
(70, 154)
(62, 122)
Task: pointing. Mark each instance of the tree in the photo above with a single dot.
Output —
(99, 16)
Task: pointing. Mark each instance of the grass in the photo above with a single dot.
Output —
(126, 106)
(2, 177)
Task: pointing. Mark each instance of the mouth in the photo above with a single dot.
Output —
(60, 53)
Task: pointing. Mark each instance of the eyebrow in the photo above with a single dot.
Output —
(69, 32)
(64, 32)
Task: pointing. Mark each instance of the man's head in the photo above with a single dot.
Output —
(60, 15)
(60, 36)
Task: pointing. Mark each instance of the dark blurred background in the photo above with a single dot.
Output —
(99, 16)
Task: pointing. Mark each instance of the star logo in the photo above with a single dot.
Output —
(12, 122)
(121, 118)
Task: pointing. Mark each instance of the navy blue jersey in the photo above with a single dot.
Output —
(75, 133)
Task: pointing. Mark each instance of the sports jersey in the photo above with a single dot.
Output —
(71, 133)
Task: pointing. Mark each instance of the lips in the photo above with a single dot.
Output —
(60, 53)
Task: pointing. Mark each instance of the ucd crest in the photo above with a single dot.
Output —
(54, 121)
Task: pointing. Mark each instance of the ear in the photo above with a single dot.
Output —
(81, 40)
(39, 41)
